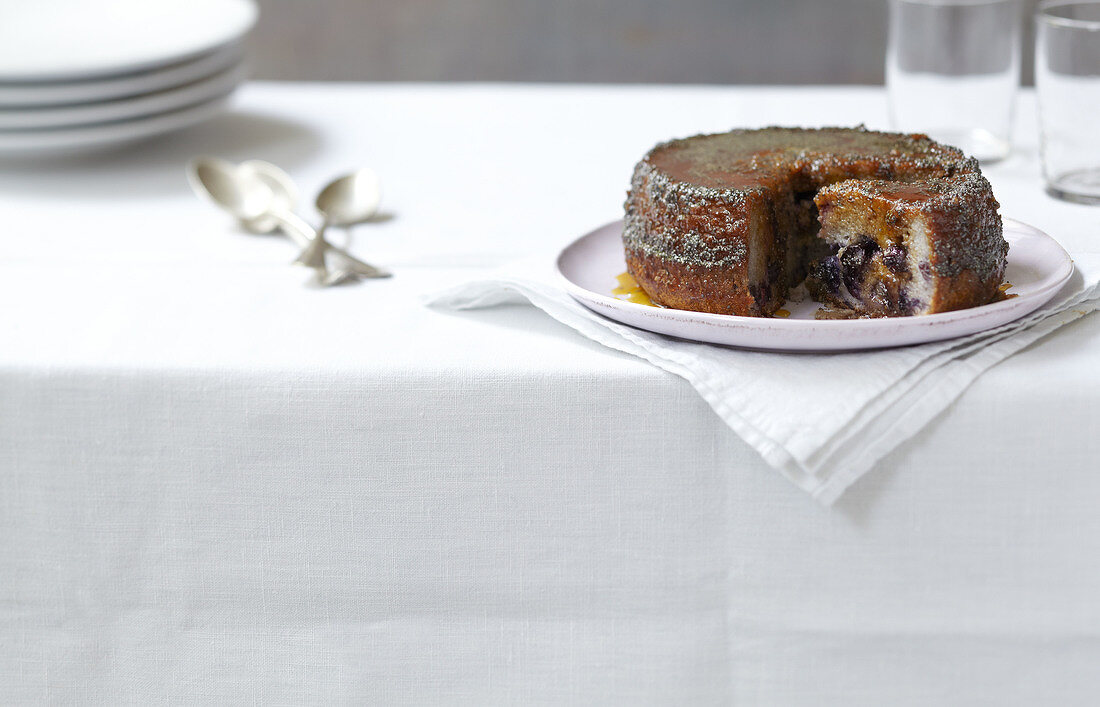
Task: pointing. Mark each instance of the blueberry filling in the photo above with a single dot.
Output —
(907, 304)
(852, 278)
(846, 274)
(828, 271)
(896, 258)
(852, 258)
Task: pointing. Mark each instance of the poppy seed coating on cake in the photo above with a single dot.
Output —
(728, 223)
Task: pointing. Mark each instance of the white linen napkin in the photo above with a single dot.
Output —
(823, 420)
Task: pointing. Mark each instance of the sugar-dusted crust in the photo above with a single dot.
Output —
(726, 223)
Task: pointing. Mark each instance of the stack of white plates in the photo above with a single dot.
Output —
(83, 73)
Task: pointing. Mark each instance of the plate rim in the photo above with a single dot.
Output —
(729, 322)
(61, 94)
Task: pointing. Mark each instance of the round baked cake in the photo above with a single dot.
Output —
(876, 223)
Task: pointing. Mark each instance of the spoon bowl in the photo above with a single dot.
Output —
(350, 199)
(247, 198)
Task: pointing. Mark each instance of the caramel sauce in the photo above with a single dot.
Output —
(906, 192)
(743, 159)
(631, 291)
(1003, 294)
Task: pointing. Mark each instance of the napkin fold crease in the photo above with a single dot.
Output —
(822, 420)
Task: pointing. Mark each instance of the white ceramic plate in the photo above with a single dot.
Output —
(47, 142)
(66, 40)
(1037, 268)
(37, 119)
(35, 95)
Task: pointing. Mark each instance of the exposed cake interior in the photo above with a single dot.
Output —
(879, 253)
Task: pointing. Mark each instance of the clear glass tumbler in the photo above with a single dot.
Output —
(952, 70)
(1067, 77)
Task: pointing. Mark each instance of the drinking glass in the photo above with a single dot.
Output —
(952, 69)
(1067, 77)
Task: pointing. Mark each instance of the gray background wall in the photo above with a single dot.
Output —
(661, 41)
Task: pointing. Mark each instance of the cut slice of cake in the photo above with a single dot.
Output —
(898, 249)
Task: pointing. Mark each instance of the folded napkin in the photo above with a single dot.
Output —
(823, 420)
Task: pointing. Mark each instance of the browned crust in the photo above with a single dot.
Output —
(695, 288)
(962, 291)
(968, 252)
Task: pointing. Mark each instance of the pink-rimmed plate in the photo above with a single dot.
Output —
(1037, 268)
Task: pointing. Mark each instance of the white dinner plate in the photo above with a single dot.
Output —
(66, 40)
(33, 95)
(36, 119)
(1037, 269)
(45, 142)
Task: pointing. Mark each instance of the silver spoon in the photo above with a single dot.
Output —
(344, 202)
(249, 198)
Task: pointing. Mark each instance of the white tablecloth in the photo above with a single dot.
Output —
(218, 485)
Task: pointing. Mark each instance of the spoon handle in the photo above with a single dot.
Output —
(295, 226)
(357, 266)
(313, 255)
